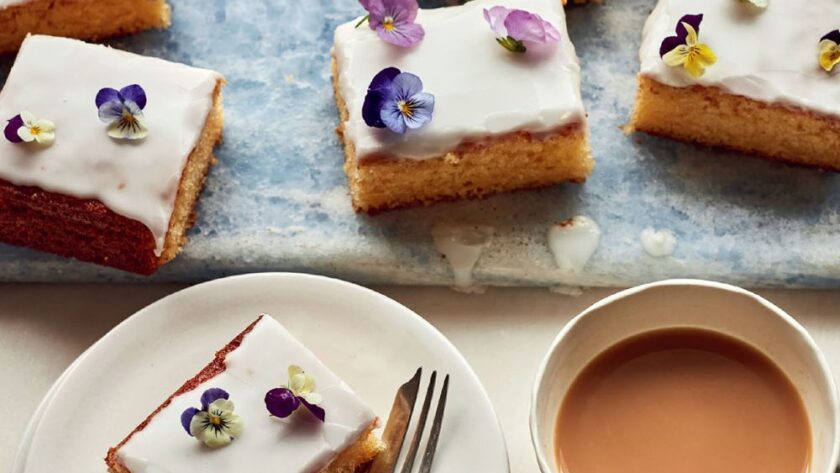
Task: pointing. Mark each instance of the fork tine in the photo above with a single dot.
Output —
(421, 426)
(434, 436)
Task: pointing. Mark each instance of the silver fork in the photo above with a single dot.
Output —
(399, 421)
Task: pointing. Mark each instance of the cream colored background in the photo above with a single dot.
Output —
(503, 333)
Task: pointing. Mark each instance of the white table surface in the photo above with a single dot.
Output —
(503, 333)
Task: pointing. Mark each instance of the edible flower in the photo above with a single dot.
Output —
(395, 100)
(122, 110)
(685, 50)
(214, 424)
(517, 30)
(830, 50)
(283, 401)
(26, 128)
(393, 21)
(757, 3)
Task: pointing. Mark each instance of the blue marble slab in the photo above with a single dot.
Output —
(277, 199)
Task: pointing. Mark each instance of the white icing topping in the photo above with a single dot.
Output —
(57, 79)
(297, 444)
(462, 246)
(658, 243)
(769, 55)
(481, 90)
(573, 242)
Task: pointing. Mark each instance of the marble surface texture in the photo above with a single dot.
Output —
(277, 200)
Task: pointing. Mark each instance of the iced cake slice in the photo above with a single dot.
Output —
(264, 404)
(734, 74)
(84, 19)
(114, 177)
(485, 111)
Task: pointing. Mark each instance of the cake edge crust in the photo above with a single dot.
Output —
(822, 127)
(38, 17)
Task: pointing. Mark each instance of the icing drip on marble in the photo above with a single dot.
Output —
(297, 444)
(462, 246)
(767, 54)
(499, 93)
(573, 242)
(136, 180)
(658, 243)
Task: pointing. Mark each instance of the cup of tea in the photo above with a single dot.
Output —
(685, 376)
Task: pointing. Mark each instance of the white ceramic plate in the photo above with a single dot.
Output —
(372, 342)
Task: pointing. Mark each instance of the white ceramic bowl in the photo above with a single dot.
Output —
(697, 304)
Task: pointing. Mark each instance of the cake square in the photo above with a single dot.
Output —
(116, 202)
(83, 19)
(502, 121)
(251, 365)
(765, 94)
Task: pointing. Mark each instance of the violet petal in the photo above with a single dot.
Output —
(211, 395)
(12, 127)
(378, 92)
(317, 411)
(111, 111)
(693, 20)
(186, 418)
(107, 95)
(496, 17)
(393, 117)
(135, 93)
(529, 27)
(422, 107)
(404, 34)
(376, 12)
(833, 36)
(281, 402)
(669, 44)
(407, 85)
(403, 10)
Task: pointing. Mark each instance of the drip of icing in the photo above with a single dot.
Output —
(58, 79)
(767, 54)
(499, 93)
(658, 243)
(573, 242)
(462, 246)
(298, 443)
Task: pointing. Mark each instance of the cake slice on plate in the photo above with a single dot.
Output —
(753, 76)
(84, 19)
(264, 404)
(458, 102)
(104, 152)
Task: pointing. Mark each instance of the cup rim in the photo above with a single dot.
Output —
(833, 395)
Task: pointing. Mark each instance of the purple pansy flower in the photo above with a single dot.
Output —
(395, 100)
(517, 30)
(122, 110)
(685, 49)
(672, 42)
(26, 128)
(283, 401)
(393, 21)
(214, 424)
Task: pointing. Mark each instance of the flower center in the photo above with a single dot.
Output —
(215, 420)
(388, 23)
(127, 116)
(35, 131)
(405, 108)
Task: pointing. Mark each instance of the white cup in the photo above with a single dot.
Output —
(690, 304)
